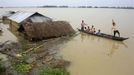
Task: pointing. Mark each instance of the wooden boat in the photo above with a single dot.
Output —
(106, 36)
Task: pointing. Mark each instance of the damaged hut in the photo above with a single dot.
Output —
(36, 26)
(49, 29)
(20, 18)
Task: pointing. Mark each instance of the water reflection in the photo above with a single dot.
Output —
(116, 46)
(85, 36)
(82, 35)
(111, 45)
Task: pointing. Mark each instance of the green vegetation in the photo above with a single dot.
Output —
(23, 68)
(25, 44)
(2, 68)
(54, 71)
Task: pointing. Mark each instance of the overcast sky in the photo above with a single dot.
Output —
(67, 2)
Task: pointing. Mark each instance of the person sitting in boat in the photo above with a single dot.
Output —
(92, 30)
(114, 29)
(92, 27)
(99, 32)
(83, 25)
(88, 29)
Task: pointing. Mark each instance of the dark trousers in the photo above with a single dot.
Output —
(116, 31)
(82, 28)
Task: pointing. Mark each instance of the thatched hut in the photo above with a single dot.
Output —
(45, 30)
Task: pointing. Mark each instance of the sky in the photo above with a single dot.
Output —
(14, 3)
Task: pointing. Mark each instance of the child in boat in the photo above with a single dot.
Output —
(92, 27)
(99, 32)
(92, 30)
(88, 29)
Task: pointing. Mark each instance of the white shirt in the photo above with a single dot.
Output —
(114, 28)
(83, 24)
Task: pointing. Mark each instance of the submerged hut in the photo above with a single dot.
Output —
(36, 26)
(4, 16)
(19, 18)
(49, 29)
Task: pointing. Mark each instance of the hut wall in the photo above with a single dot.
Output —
(0, 20)
(14, 26)
(5, 20)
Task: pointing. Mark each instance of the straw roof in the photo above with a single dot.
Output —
(45, 30)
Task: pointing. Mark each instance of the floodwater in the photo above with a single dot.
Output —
(6, 35)
(91, 55)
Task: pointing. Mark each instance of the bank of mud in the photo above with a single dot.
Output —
(42, 55)
(30, 57)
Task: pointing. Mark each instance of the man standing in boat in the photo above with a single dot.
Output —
(83, 25)
(114, 29)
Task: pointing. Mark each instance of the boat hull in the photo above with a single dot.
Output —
(106, 36)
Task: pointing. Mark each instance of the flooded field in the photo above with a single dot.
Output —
(91, 55)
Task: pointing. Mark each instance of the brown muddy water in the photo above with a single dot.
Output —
(6, 34)
(90, 55)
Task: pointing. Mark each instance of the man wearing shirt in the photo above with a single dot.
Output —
(114, 29)
(83, 25)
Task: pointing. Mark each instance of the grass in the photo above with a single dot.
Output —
(54, 71)
(2, 68)
(24, 43)
(22, 67)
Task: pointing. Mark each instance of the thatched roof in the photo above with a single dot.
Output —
(49, 29)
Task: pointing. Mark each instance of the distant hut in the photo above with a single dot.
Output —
(20, 18)
(49, 29)
(4, 16)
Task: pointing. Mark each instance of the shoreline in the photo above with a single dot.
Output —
(77, 7)
(35, 56)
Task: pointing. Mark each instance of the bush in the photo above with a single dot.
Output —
(54, 71)
(22, 68)
(2, 68)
